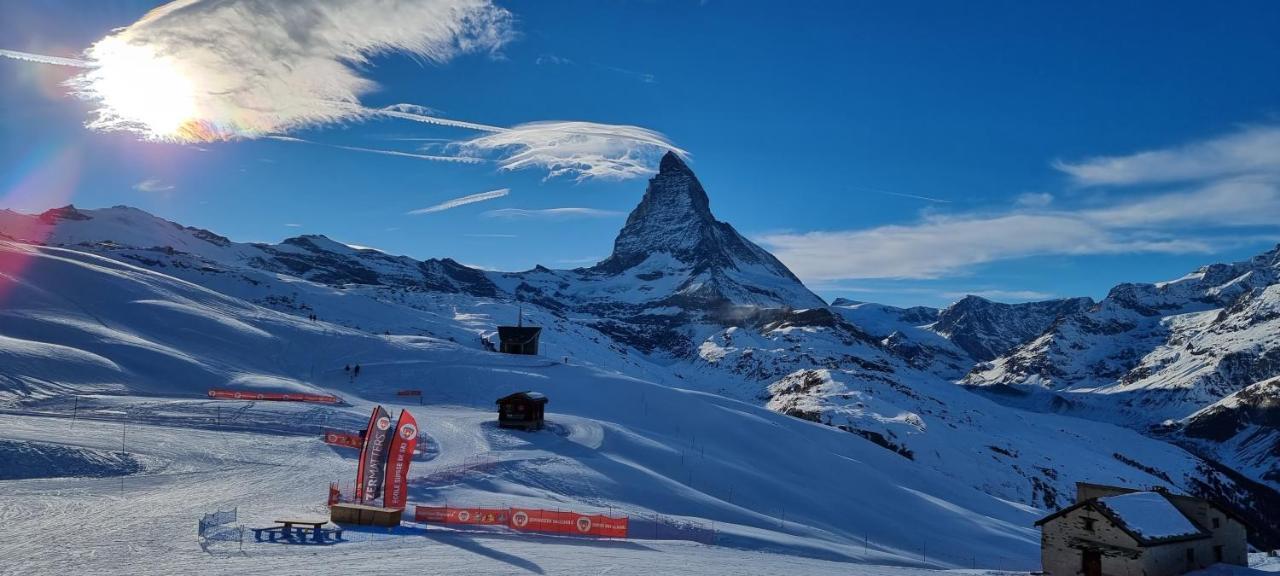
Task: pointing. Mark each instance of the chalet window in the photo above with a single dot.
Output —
(1217, 522)
(1217, 552)
(1088, 524)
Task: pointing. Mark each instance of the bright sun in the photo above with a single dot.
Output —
(142, 89)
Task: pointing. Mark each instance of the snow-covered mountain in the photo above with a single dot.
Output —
(685, 301)
(987, 329)
(1200, 352)
(674, 270)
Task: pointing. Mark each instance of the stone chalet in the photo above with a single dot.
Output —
(1114, 531)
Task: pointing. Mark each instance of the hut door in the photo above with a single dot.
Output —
(1092, 561)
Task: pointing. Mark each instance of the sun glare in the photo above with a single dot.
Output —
(142, 89)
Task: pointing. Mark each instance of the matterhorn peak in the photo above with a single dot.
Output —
(674, 221)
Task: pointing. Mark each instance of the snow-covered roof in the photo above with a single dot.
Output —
(1149, 515)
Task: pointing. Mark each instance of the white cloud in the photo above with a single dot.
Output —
(293, 225)
(43, 59)
(1252, 150)
(550, 213)
(152, 185)
(1244, 201)
(463, 201)
(1228, 185)
(579, 149)
(948, 245)
(1002, 295)
(195, 70)
(434, 158)
(543, 59)
(1034, 199)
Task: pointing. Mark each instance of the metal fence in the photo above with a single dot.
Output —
(218, 527)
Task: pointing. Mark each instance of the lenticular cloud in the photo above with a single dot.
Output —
(578, 149)
(225, 69)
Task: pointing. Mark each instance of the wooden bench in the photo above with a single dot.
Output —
(290, 529)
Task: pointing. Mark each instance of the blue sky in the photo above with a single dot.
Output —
(905, 152)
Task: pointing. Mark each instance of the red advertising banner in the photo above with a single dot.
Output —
(373, 461)
(399, 457)
(409, 393)
(568, 523)
(272, 396)
(342, 438)
(442, 515)
(527, 520)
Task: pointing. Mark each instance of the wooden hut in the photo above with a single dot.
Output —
(519, 339)
(524, 410)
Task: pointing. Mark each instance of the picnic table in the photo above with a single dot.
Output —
(286, 527)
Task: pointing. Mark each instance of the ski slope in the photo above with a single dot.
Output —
(140, 348)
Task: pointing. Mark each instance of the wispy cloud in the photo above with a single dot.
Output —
(1002, 295)
(948, 245)
(463, 201)
(490, 236)
(552, 59)
(1227, 185)
(153, 185)
(900, 194)
(577, 149)
(550, 213)
(434, 158)
(293, 225)
(43, 59)
(1034, 199)
(644, 77)
(1252, 150)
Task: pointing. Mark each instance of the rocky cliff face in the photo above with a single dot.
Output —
(987, 329)
(674, 221)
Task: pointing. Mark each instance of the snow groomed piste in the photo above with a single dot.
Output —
(381, 480)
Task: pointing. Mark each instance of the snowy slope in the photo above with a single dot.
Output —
(140, 345)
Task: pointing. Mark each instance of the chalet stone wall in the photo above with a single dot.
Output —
(1229, 533)
(1060, 554)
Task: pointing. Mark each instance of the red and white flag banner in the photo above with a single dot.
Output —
(399, 458)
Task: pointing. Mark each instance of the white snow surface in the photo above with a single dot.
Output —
(784, 495)
(1150, 515)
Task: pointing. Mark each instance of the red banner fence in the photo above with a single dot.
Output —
(219, 394)
(342, 438)
(527, 520)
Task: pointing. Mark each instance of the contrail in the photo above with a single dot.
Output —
(398, 111)
(900, 194)
(463, 201)
(456, 159)
(42, 59)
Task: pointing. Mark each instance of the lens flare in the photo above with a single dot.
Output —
(139, 90)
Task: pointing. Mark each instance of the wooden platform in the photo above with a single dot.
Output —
(362, 515)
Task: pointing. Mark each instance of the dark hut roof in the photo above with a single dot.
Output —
(535, 397)
(519, 334)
